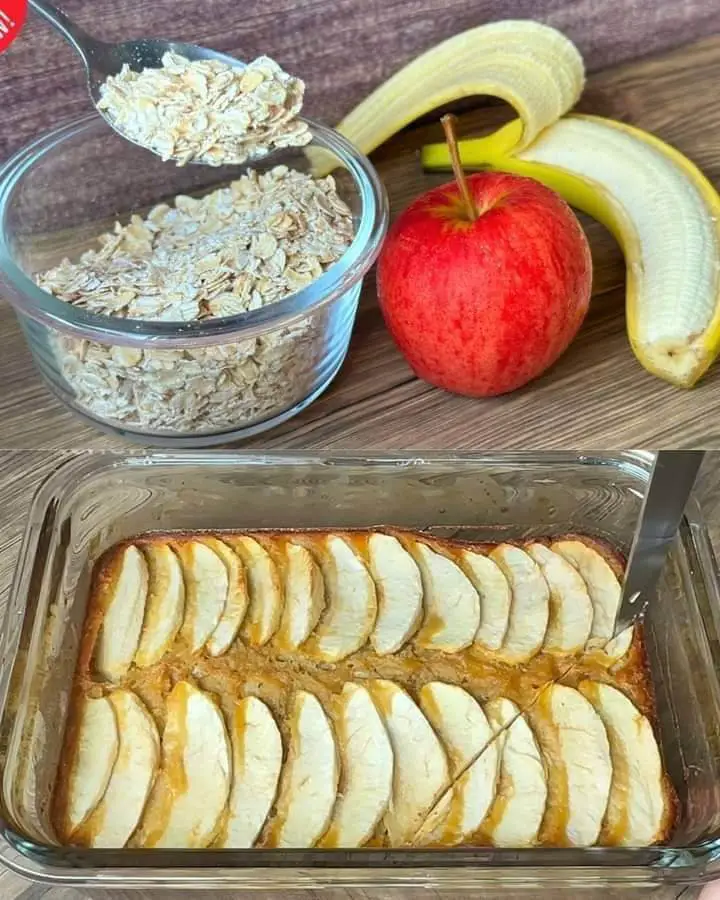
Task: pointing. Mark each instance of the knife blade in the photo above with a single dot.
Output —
(671, 481)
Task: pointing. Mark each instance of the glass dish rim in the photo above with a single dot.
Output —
(30, 300)
(78, 868)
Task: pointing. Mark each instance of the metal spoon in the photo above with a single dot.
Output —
(102, 59)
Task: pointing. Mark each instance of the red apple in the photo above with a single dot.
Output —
(480, 306)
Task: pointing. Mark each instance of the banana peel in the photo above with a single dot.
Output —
(535, 68)
(659, 206)
(662, 211)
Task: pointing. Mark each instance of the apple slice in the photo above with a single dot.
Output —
(165, 605)
(575, 743)
(367, 770)
(196, 772)
(399, 593)
(257, 760)
(637, 809)
(265, 588)
(605, 592)
(236, 602)
(350, 616)
(308, 787)
(206, 590)
(452, 605)
(119, 811)
(571, 612)
(495, 597)
(123, 602)
(95, 754)
(464, 730)
(421, 772)
(620, 644)
(530, 608)
(517, 812)
(304, 597)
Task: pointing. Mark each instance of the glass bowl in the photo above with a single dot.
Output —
(182, 384)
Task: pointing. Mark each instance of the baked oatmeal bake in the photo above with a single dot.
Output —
(359, 688)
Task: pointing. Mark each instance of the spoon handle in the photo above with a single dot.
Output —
(80, 40)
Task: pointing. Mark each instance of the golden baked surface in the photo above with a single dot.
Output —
(366, 688)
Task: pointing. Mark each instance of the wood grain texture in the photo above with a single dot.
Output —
(19, 890)
(21, 472)
(597, 395)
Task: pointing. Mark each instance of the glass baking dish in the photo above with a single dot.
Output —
(94, 500)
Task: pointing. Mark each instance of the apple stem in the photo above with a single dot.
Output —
(448, 123)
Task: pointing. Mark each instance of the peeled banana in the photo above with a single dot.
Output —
(659, 206)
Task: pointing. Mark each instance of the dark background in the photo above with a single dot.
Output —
(341, 48)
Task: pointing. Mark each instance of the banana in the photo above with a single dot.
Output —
(661, 209)
(535, 68)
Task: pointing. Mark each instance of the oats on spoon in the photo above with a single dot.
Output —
(207, 111)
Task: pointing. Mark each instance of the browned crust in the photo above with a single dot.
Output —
(414, 667)
(672, 804)
(68, 755)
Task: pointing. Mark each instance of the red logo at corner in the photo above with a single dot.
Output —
(12, 19)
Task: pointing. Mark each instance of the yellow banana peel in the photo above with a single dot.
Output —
(535, 68)
(659, 206)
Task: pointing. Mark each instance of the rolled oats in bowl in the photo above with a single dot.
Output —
(186, 305)
(237, 249)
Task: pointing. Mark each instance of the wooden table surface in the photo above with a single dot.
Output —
(596, 396)
(20, 474)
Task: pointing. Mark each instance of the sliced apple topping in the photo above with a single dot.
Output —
(195, 779)
(571, 611)
(236, 601)
(620, 644)
(95, 754)
(605, 592)
(574, 741)
(304, 597)
(165, 606)
(491, 584)
(421, 773)
(367, 770)
(530, 608)
(637, 809)
(602, 583)
(206, 590)
(399, 593)
(464, 730)
(265, 588)
(517, 812)
(257, 759)
(351, 601)
(308, 787)
(452, 605)
(118, 813)
(123, 603)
